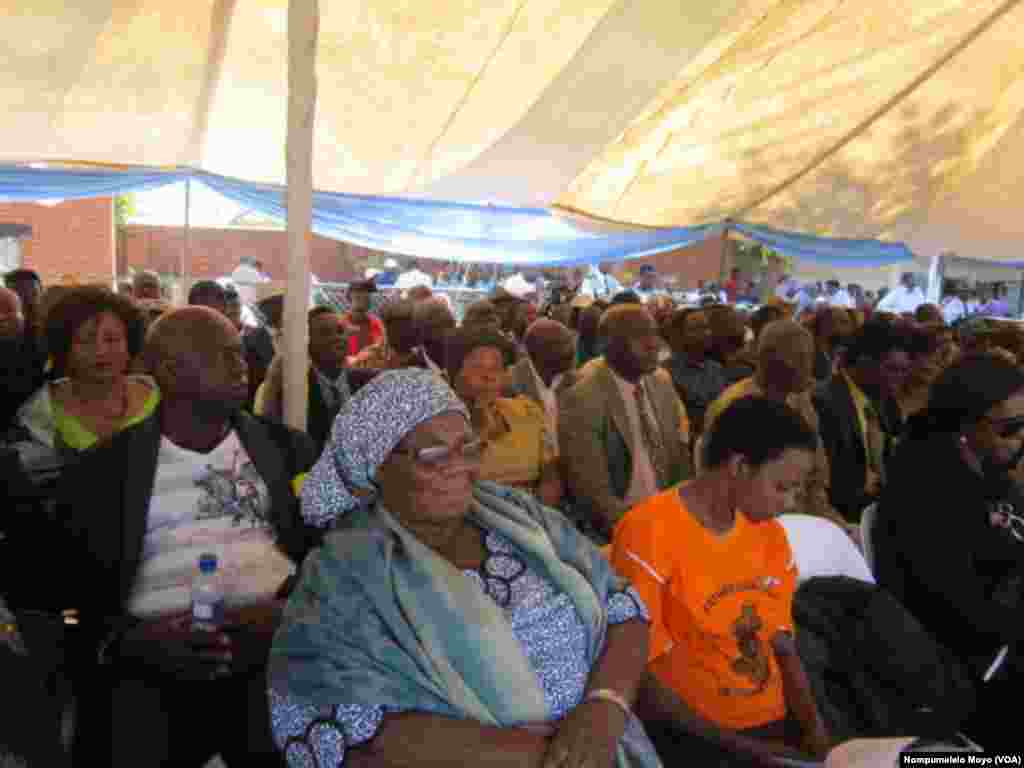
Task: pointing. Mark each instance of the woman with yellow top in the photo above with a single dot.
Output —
(92, 335)
(519, 450)
(717, 574)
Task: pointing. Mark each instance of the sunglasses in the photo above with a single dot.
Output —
(1002, 514)
(1008, 427)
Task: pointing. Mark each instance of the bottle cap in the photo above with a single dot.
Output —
(207, 562)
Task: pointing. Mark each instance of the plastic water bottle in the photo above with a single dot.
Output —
(207, 596)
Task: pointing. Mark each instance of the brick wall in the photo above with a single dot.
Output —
(74, 239)
(216, 252)
(702, 261)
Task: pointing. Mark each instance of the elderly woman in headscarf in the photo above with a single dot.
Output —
(785, 372)
(518, 447)
(445, 621)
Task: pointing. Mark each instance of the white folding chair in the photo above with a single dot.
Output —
(822, 548)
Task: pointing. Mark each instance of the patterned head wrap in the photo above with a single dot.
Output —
(367, 429)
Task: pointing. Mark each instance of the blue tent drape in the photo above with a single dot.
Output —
(824, 250)
(445, 230)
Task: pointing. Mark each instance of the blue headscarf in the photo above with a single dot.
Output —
(367, 429)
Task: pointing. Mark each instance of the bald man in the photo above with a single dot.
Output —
(199, 475)
(622, 430)
(547, 367)
(21, 359)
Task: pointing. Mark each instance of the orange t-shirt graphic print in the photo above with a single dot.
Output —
(715, 602)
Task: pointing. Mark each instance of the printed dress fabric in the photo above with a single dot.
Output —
(544, 622)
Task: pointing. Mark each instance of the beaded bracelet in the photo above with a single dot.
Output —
(613, 697)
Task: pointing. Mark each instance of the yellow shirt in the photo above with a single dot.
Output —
(75, 435)
(518, 456)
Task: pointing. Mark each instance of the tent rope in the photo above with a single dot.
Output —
(884, 109)
(429, 152)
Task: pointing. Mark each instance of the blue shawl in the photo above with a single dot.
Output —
(379, 619)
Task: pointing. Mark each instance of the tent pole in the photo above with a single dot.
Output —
(186, 237)
(725, 254)
(303, 23)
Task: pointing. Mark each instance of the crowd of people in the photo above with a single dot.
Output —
(582, 533)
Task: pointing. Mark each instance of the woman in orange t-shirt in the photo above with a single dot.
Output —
(716, 572)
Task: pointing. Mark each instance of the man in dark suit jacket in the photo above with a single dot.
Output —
(21, 358)
(200, 472)
(609, 460)
(330, 382)
(859, 418)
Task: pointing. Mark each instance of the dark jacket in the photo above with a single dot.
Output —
(844, 443)
(874, 670)
(319, 417)
(21, 374)
(104, 500)
(697, 386)
(822, 365)
(938, 552)
(259, 354)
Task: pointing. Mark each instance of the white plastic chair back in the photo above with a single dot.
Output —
(822, 548)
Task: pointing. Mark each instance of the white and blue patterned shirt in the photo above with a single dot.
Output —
(543, 620)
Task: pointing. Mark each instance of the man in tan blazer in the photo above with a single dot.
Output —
(623, 432)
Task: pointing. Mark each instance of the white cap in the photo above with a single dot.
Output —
(518, 286)
(411, 279)
(390, 264)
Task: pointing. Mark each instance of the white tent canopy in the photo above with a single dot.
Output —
(881, 118)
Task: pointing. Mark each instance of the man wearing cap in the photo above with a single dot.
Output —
(367, 329)
(414, 277)
(390, 274)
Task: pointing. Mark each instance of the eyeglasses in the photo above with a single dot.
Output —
(1001, 514)
(436, 456)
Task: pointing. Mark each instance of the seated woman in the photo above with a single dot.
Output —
(445, 622)
(518, 448)
(92, 335)
(949, 529)
(718, 574)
